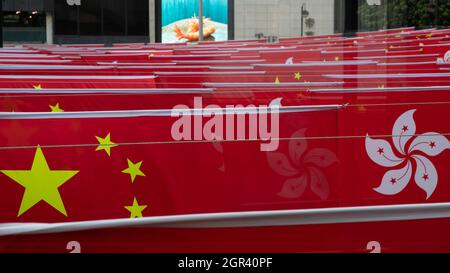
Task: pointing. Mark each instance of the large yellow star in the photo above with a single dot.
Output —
(56, 108)
(135, 209)
(37, 87)
(134, 169)
(41, 184)
(297, 76)
(105, 144)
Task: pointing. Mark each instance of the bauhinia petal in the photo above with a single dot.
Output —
(276, 102)
(395, 181)
(319, 183)
(294, 188)
(380, 152)
(298, 145)
(290, 60)
(280, 164)
(404, 129)
(431, 144)
(426, 176)
(321, 157)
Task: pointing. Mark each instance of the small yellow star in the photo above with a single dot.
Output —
(277, 81)
(298, 76)
(337, 58)
(105, 144)
(135, 209)
(37, 87)
(134, 169)
(56, 108)
(362, 108)
(381, 86)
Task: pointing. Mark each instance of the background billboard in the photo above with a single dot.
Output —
(179, 20)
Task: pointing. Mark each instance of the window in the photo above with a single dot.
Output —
(23, 19)
(91, 17)
(66, 18)
(137, 17)
(102, 17)
(114, 22)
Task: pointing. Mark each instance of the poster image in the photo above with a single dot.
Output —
(180, 20)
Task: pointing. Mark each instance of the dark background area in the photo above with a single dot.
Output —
(102, 21)
(116, 21)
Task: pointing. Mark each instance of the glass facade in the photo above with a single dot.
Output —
(90, 18)
(107, 21)
(23, 19)
(137, 17)
(114, 17)
(20, 26)
(102, 18)
(67, 19)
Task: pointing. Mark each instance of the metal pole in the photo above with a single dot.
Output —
(200, 22)
(301, 27)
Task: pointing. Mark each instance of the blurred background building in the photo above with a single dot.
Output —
(115, 21)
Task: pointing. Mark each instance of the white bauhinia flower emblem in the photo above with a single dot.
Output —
(411, 160)
(447, 57)
(302, 167)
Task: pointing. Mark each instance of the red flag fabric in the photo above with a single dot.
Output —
(314, 144)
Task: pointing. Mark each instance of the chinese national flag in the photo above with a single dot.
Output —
(101, 168)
